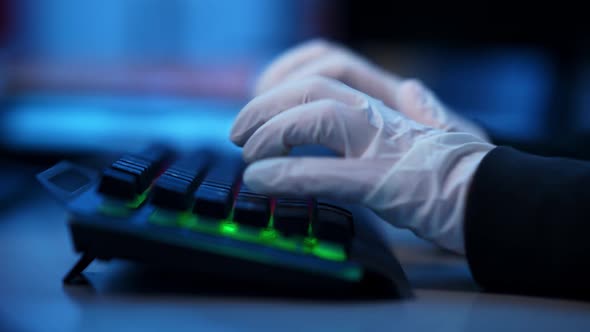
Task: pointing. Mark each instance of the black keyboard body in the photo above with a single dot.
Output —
(192, 212)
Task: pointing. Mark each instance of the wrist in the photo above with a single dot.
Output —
(426, 190)
(460, 179)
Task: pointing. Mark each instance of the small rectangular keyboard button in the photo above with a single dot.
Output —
(142, 168)
(213, 202)
(174, 189)
(252, 209)
(292, 216)
(118, 184)
(333, 224)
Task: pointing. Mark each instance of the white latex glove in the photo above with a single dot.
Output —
(408, 96)
(411, 175)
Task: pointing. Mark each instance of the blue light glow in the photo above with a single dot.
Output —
(182, 30)
(82, 126)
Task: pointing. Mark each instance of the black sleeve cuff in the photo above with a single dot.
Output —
(527, 224)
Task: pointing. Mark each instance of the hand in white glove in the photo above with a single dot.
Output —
(411, 175)
(410, 97)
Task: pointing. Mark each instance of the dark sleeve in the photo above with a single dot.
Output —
(527, 224)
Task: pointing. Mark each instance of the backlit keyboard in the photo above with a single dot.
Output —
(192, 211)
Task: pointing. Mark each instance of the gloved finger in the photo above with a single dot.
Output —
(352, 70)
(416, 100)
(337, 126)
(287, 96)
(331, 178)
(409, 96)
(414, 97)
(336, 65)
(291, 60)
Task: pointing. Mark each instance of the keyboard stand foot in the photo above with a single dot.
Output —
(75, 276)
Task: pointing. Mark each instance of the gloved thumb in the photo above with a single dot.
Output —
(348, 180)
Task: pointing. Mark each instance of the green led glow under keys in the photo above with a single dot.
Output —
(267, 236)
(228, 227)
(118, 208)
(134, 204)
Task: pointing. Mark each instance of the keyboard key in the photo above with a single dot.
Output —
(214, 197)
(138, 172)
(168, 186)
(292, 216)
(333, 224)
(150, 169)
(174, 189)
(175, 175)
(154, 159)
(140, 169)
(213, 201)
(225, 172)
(118, 184)
(252, 209)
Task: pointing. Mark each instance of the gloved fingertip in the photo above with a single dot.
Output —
(235, 139)
(248, 158)
(258, 175)
(251, 151)
(236, 136)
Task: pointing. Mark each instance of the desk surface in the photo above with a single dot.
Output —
(35, 252)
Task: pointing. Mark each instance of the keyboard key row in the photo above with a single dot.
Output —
(210, 190)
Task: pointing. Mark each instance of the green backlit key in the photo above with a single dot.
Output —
(213, 201)
(292, 216)
(174, 189)
(251, 209)
(131, 175)
(333, 224)
(215, 196)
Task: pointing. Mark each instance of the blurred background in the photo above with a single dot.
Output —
(81, 77)
(85, 80)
